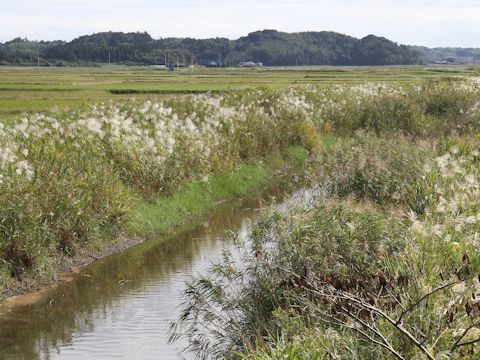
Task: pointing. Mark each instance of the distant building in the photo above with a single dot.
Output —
(160, 67)
(250, 64)
(212, 64)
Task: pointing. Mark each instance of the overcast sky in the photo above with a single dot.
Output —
(422, 22)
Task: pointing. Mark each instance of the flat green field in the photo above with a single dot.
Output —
(24, 89)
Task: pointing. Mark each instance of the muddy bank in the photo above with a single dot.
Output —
(27, 289)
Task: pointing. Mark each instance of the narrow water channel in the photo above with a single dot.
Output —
(121, 307)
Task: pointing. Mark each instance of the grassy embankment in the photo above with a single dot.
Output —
(196, 198)
(73, 181)
(387, 266)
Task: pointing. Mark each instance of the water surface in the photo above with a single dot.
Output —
(121, 307)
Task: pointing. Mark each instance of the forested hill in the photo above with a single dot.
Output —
(448, 55)
(269, 47)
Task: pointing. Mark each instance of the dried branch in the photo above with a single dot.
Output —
(468, 343)
(328, 291)
(458, 344)
(419, 301)
(377, 311)
(386, 344)
(362, 304)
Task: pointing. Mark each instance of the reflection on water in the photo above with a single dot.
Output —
(121, 306)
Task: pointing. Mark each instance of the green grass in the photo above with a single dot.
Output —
(196, 198)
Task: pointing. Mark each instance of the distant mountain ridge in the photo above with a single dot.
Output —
(449, 55)
(270, 47)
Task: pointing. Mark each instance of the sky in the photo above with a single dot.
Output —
(422, 22)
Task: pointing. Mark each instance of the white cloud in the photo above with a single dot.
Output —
(428, 22)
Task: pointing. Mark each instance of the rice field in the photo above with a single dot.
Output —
(32, 90)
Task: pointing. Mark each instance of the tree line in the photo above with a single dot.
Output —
(270, 47)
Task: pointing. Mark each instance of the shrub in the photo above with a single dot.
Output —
(387, 172)
(351, 279)
(69, 178)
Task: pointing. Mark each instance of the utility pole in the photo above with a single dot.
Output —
(38, 60)
(108, 57)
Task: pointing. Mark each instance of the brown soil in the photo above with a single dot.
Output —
(27, 290)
